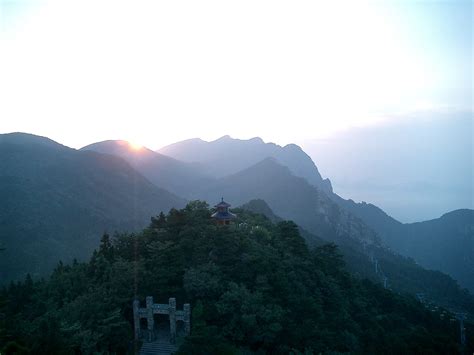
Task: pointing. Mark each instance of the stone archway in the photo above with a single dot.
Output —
(157, 308)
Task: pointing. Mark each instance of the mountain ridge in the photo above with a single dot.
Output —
(179, 177)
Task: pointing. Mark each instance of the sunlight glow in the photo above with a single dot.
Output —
(135, 146)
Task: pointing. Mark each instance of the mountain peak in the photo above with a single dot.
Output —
(463, 213)
(293, 146)
(228, 138)
(257, 140)
(224, 138)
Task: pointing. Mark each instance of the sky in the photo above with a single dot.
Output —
(155, 72)
(314, 73)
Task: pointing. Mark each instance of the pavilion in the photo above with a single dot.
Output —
(222, 216)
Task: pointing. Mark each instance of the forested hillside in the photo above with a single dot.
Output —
(253, 286)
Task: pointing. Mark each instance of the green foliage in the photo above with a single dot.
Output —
(254, 287)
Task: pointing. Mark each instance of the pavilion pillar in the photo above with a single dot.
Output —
(172, 314)
(136, 318)
(187, 318)
(149, 317)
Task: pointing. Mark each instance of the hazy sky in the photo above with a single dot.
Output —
(415, 168)
(155, 72)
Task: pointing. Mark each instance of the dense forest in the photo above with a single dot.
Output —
(254, 287)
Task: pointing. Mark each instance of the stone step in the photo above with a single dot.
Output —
(157, 348)
(169, 348)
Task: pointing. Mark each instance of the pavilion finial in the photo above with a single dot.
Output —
(222, 199)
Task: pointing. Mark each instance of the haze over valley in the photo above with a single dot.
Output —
(382, 164)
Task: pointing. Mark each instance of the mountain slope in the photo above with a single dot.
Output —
(165, 172)
(261, 207)
(227, 156)
(56, 202)
(445, 243)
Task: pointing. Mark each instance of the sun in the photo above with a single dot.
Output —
(135, 146)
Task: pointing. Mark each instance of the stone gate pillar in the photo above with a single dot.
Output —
(172, 313)
(187, 318)
(149, 318)
(136, 318)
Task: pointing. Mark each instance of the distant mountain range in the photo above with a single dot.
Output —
(110, 185)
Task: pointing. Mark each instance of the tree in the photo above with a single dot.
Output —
(106, 249)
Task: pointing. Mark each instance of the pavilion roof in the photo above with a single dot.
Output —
(223, 204)
(223, 216)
